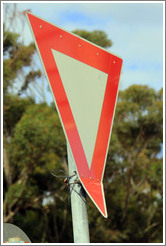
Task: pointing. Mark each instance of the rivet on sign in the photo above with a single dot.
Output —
(79, 45)
(114, 62)
(90, 178)
(97, 53)
(40, 26)
(60, 36)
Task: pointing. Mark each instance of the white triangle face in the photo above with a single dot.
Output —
(85, 88)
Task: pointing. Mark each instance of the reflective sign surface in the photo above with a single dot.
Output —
(84, 81)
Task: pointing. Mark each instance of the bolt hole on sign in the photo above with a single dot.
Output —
(84, 81)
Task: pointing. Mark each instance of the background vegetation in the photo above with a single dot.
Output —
(34, 144)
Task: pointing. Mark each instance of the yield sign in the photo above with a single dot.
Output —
(84, 81)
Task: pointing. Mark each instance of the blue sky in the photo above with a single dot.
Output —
(135, 28)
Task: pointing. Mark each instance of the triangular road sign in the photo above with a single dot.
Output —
(84, 80)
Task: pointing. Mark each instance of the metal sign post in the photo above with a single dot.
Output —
(78, 203)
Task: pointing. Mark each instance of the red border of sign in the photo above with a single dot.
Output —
(50, 37)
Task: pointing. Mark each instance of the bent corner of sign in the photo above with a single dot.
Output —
(96, 192)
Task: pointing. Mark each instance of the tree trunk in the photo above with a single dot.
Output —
(6, 166)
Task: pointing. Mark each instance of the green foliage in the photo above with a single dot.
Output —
(10, 40)
(13, 192)
(30, 77)
(38, 140)
(97, 37)
(134, 177)
(13, 111)
(16, 56)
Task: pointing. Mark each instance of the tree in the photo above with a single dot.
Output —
(37, 147)
(97, 37)
(16, 57)
(22, 75)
